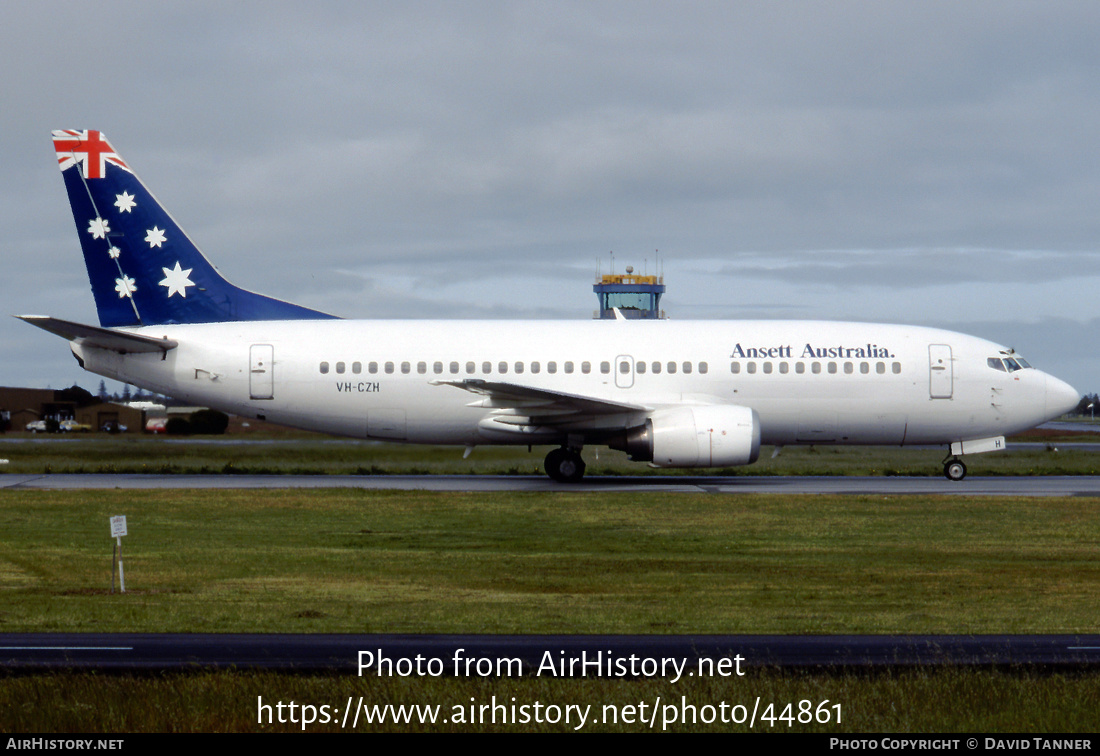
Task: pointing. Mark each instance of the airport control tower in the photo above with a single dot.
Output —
(636, 297)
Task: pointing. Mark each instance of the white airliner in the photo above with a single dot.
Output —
(675, 394)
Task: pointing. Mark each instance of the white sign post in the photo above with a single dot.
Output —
(118, 529)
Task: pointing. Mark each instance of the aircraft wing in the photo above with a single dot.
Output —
(538, 406)
(104, 338)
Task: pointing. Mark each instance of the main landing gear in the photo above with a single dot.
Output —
(954, 469)
(565, 465)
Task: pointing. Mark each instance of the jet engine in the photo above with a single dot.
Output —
(707, 436)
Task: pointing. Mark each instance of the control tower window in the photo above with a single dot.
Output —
(629, 300)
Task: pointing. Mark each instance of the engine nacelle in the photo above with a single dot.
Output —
(707, 436)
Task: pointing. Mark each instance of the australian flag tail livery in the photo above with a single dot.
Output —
(143, 268)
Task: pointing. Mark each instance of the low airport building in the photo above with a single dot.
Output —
(50, 408)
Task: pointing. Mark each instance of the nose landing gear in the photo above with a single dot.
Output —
(954, 469)
(565, 465)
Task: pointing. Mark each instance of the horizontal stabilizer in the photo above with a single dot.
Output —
(104, 338)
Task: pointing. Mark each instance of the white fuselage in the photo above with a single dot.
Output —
(808, 381)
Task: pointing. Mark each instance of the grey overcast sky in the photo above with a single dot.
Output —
(925, 162)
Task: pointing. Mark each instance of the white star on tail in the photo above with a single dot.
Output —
(125, 202)
(125, 287)
(114, 252)
(155, 237)
(98, 228)
(176, 280)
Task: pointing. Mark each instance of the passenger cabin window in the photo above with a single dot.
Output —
(422, 367)
(605, 367)
(340, 368)
(502, 367)
(406, 368)
(389, 367)
(454, 368)
(535, 367)
(686, 366)
(735, 367)
(519, 367)
(486, 367)
(357, 367)
(551, 367)
(568, 367)
(656, 367)
(372, 368)
(671, 367)
(470, 367)
(586, 367)
(324, 368)
(437, 368)
(751, 367)
(703, 367)
(624, 367)
(640, 367)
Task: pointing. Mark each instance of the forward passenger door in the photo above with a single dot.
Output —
(941, 371)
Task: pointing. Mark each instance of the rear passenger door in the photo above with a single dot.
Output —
(261, 371)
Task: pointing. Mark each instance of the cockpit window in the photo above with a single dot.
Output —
(1008, 364)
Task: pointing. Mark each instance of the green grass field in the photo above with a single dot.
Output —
(362, 561)
(398, 562)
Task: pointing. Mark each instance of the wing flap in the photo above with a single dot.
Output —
(526, 405)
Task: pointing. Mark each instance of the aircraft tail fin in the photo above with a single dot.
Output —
(143, 268)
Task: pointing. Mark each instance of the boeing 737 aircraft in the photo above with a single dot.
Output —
(675, 394)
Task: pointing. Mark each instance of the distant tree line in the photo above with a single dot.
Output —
(134, 394)
(1083, 405)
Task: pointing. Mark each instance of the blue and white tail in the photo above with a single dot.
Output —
(143, 268)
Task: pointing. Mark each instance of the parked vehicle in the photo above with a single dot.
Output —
(72, 426)
(37, 426)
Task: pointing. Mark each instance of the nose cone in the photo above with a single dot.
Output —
(1061, 397)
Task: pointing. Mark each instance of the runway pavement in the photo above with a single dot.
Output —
(608, 655)
(1070, 485)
